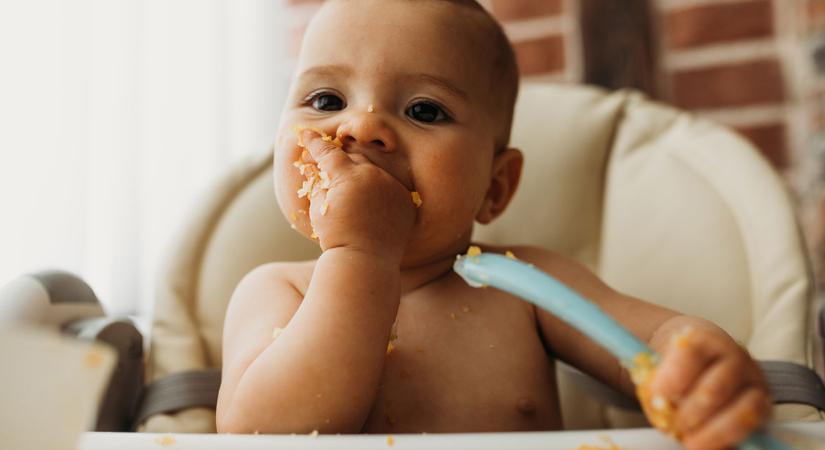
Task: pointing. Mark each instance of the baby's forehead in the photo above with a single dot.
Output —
(415, 36)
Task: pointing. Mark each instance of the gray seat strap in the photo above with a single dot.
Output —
(794, 383)
(788, 382)
(180, 391)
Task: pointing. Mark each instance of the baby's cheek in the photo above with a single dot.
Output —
(287, 182)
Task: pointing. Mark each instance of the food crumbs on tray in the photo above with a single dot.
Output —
(277, 332)
(416, 199)
(93, 358)
(256, 432)
(473, 250)
(314, 434)
(510, 254)
(165, 440)
(390, 441)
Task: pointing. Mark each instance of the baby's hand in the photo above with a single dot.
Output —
(719, 392)
(362, 206)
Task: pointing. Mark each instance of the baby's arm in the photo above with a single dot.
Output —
(718, 391)
(323, 370)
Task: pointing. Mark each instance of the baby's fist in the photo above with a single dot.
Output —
(718, 391)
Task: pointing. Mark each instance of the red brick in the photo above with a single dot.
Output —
(540, 55)
(728, 85)
(816, 11)
(716, 23)
(507, 10)
(771, 141)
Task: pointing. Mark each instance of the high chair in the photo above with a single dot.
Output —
(660, 204)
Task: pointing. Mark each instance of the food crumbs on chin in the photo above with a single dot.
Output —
(510, 254)
(165, 440)
(93, 358)
(452, 316)
(324, 208)
(390, 348)
(465, 308)
(473, 250)
(390, 441)
(314, 434)
(314, 235)
(416, 199)
(371, 108)
(277, 332)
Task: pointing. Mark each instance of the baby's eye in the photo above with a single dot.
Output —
(427, 112)
(327, 102)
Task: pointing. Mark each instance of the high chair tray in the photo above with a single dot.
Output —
(803, 436)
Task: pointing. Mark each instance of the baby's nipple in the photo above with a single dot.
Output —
(526, 406)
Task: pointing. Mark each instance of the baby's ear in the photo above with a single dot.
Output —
(503, 183)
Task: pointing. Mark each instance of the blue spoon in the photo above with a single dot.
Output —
(525, 281)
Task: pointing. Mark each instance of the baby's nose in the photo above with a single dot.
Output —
(368, 129)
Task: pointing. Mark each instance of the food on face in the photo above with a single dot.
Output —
(416, 199)
(371, 108)
(277, 332)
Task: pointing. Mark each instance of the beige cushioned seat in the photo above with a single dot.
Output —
(662, 205)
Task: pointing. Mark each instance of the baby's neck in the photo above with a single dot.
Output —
(413, 278)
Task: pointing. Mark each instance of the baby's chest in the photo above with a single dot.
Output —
(465, 366)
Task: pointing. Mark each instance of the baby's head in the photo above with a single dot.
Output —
(425, 89)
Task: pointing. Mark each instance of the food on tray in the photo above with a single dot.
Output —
(165, 440)
(473, 250)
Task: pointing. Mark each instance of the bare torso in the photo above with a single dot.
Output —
(464, 360)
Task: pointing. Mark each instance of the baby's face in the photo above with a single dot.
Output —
(407, 85)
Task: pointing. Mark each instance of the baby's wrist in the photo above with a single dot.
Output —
(384, 256)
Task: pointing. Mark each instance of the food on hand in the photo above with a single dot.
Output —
(660, 412)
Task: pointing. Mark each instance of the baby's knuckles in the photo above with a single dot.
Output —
(367, 209)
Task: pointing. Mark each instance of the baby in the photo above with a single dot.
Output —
(405, 108)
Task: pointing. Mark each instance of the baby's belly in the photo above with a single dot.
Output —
(472, 373)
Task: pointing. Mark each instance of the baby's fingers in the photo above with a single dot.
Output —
(683, 362)
(733, 424)
(329, 157)
(716, 388)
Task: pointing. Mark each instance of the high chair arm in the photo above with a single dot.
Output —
(62, 301)
(119, 406)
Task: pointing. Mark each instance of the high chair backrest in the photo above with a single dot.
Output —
(662, 205)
